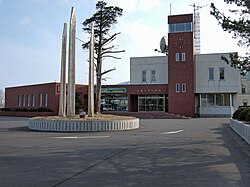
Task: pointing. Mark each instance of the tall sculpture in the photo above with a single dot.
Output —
(62, 99)
(71, 66)
(91, 75)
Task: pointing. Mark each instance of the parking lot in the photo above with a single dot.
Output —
(162, 152)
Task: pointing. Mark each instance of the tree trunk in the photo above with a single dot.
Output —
(98, 95)
(98, 87)
(98, 84)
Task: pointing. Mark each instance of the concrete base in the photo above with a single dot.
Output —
(242, 129)
(82, 125)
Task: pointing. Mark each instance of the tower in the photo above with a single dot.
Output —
(181, 65)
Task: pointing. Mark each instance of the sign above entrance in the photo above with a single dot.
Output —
(114, 90)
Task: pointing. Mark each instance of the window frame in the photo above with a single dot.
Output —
(19, 100)
(144, 75)
(177, 57)
(209, 75)
(222, 73)
(46, 99)
(40, 99)
(243, 89)
(153, 75)
(183, 56)
(184, 87)
(28, 100)
(23, 100)
(33, 98)
(177, 87)
(180, 27)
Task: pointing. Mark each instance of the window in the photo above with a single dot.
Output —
(40, 99)
(210, 100)
(183, 56)
(153, 73)
(244, 102)
(19, 100)
(222, 73)
(243, 89)
(33, 100)
(24, 100)
(144, 74)
(177, 88)
(203, 99)
(210, 74)
(215, 99)
(177, 57)
(222, 99)
(116, 103)
(46, 99)
(180, 27)
(28, 96)
(184, 87)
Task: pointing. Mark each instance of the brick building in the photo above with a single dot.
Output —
(183, 82)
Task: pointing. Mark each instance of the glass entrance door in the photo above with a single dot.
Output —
(151, 103)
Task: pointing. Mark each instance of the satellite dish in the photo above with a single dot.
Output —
(164, 45)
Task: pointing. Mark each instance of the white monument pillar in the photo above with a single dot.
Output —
(71, 66)
(62, 99)
(91, 75)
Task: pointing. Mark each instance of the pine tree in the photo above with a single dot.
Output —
(239, 27)
(103, 20)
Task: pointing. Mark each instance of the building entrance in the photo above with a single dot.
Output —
(151, 103)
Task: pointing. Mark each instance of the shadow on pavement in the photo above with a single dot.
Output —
(20, 129)
(239, 152)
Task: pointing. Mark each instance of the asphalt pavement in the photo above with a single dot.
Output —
(162, 152)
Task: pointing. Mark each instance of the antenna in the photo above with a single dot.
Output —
(197, 45)
(170, 8)
(163, 46)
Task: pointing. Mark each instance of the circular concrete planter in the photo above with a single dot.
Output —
(82, 125)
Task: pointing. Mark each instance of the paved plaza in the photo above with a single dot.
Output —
(191, 152)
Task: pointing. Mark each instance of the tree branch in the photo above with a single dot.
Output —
(80, 40)
(106, 52)
(104, 49)
(109, 56)
(111, 38)
(105, 72)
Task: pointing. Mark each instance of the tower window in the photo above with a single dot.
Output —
(177, 57)
(180, 27)
(177, 88)
(184, 87)
(183, 56)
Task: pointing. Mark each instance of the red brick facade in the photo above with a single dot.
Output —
(52, 89)
(181, 73)
(134, 90)
(14, 96)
